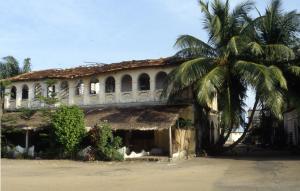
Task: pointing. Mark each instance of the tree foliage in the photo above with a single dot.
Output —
(241, 53)
(68, 126)
(105, 142)
(9, 67)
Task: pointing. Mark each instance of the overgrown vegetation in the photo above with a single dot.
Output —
(68, 127)
(27, 113)
(51, 99)
(105, 144)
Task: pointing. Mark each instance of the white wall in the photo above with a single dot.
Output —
(291, 127)
(87, 99)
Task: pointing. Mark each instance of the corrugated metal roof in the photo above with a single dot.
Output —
(83, 71)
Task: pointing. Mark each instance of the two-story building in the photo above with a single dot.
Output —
(291, 120)
(126, 94)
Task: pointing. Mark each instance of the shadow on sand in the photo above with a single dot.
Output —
(244, 152)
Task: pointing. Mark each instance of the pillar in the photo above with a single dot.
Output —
(26, 139)
(152, 86)
(170, 143)
(72, 87)
(101, 96)
(135, 87)
(44, 89)
(86, 92)
(30, 94)
(117, 89)
(7, 98)
(19, 96)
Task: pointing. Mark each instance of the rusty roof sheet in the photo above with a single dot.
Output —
(135, 118)
(83, 71)
(145, 117)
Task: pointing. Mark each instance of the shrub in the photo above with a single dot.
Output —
(105, 143)
(68, 126)
(27, 113)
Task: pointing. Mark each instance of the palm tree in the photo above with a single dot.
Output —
(277, 38)
(224, 65)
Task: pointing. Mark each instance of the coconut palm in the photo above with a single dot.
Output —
(225, 65)
(277, 38)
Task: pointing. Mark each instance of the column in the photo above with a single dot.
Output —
(101, 90)
(30, 94)
(26, 139)
(152, 86)
(7, 98)
(86, 92)
(72, 86)
(134, 87)
(170, 143)
(118, 89)
(44, 89)
(19, 96)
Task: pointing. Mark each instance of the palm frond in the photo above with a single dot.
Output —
(278, 52)
(254, 74)
(193, 47)
(233, 45)
(294, 70)
(208, 84)
(187, 74)
(255, 48)
(278, 77)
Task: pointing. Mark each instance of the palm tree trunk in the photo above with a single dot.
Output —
(247, 129)
(1, 111)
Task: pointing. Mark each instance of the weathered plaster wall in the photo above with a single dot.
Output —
(87, 99)
(291, 127)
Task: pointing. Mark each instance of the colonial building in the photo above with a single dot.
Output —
(292, 126)
(126, 94)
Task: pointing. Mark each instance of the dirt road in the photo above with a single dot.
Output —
(195, 174)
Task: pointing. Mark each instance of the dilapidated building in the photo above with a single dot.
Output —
(126, 94)
(292, 126)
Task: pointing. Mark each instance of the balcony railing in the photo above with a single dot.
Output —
(110, 97)
(144, 95)
(127, 97)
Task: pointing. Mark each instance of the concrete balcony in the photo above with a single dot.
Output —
(127, 97)
(110, 98)
(144, 96)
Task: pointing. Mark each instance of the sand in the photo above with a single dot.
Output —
(195, 174)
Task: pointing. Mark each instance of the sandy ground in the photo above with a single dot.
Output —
(195, 174)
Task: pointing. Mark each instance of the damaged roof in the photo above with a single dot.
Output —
(17, 120)
(83, 71)
(120, 118)
(135, 118)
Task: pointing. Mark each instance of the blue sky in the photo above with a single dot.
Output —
(67, 33)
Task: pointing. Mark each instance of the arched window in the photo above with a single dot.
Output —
(37, 90)
(110, 85)
(13, 93)
(79, 88)
(51, 91)
(160, 80)
(64, 90)
(94, 86)
(144, 82)
(126, 84)
(25, 91)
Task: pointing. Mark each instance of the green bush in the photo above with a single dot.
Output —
(68, 126)
(27, 113)
(105, 143)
